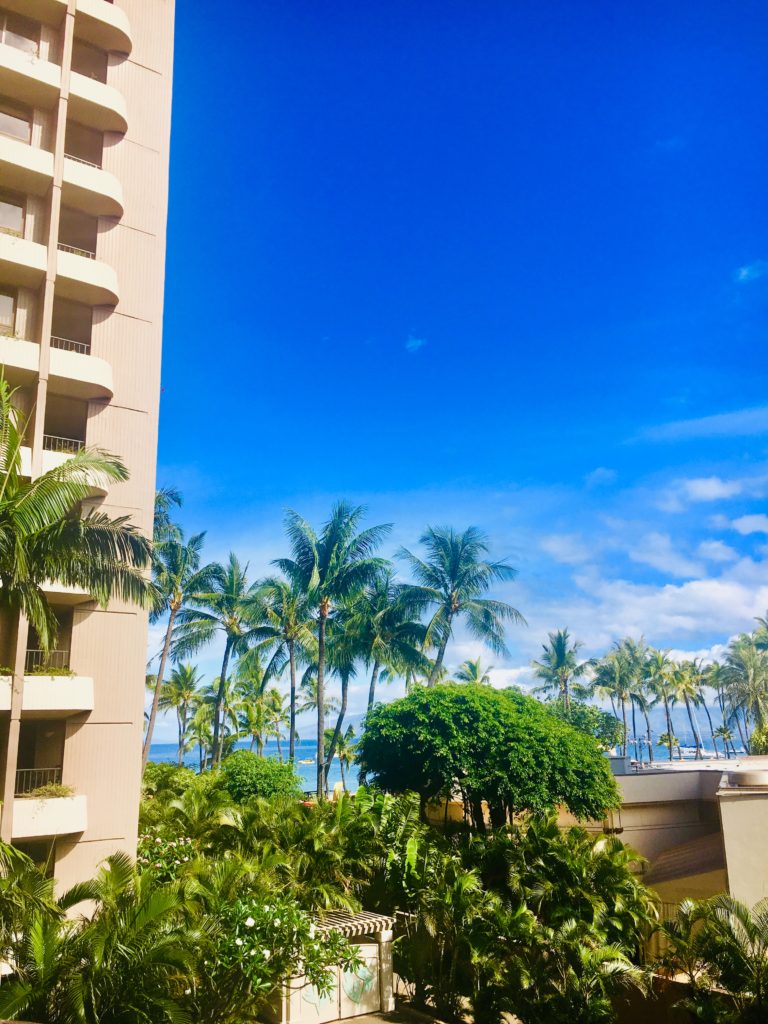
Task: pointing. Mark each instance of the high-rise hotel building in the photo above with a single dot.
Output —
(85, 109)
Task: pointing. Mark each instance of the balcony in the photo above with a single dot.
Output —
(22, 262)
(103, 24)
(75, 372)
(27, 78)
(49, 817)
(89, 188)
(47, 692)
(25, 168)
(20, 360)
(83, 278)
(97, 105)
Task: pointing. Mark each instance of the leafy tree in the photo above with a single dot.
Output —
(451, 581)
(178, 578)
(43, 537)
(330, 568)
(163, 526)
(589, 719)
(659, 675)
(227, 608)
(559, 665)
(489, 745)
(246, 775)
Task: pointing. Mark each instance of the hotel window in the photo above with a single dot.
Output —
(15, 120)
(7, 312)
(11, 214)
(19, 32)
(89, 61)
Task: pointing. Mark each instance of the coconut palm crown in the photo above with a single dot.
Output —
(452, 580)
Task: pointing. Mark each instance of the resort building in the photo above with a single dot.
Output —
(85, 108)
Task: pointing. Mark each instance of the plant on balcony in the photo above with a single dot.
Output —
(50, 791)
(43, 537)
(49, 670)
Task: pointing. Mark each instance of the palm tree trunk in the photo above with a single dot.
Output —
(693, 727)
(648, 733)
(669, 726)
(440, 653)
(343, 775)
(339, 722)
(279, 748)
(158, 688)
(253, 741)
(321, 703)
(624, 719)
(712, 731)
(374, 681)
(292, 737)
(216, 745)
(566, 694)
(634, 730)
(741, 733)
(180, 724)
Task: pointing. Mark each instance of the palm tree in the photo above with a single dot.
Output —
(308, 696)
(178, 578)
(345, 751)
(686, 691)
(331, 569)
(252, 721)
(200, 732)
(613, 679)
(746, 677)
(181, 693)
(285, 632)
(659, 672)
(559, 665)
(344, 650)
(391, 638)
(227, 608)
(726, 735)
(277, 719)
(43, 537)
(451, 581)
(473, 672)
(163, 527)
(701, 677)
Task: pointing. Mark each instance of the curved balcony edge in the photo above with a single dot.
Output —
(96, 104)
(103, 24)
(90, 281)
(91, 189)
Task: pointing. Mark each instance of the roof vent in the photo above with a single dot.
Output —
(750, 779)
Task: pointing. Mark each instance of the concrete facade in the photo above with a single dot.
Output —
(85, 109)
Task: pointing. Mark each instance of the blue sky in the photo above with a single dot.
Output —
(501, 264)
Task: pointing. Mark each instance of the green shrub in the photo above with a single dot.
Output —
(49, 791)
(5, 671)
(166, 777)
(246, 774)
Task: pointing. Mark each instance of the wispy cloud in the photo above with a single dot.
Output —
(742, 423)
(600, 476)
(659, 552)
(751, 272)
(745, 525)
(568, 548)
(413, 344)
(717, 551)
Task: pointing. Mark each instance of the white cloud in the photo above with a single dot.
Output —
(658, 551)
(717, 551)
(413, 344)
(711, 488)
(568, 548)
(742, 423)
(751, 524)
(751, 272)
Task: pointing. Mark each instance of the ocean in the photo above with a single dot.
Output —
(306, 750)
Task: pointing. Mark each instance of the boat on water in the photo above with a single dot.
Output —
(307, 760)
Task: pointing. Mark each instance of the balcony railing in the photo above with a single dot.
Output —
(77, 251)
(30, 779)
(39, 661)
(80, 160)
(68, 345)
(68, 445)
